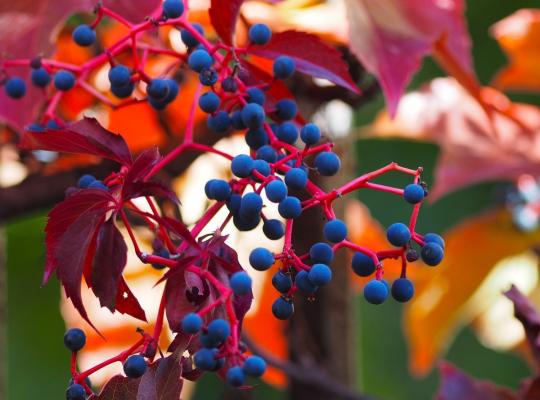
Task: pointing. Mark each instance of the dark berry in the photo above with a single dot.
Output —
(273, 229)
(310, 134)
(335, 231)
(135, 366)
(259, 34)
(162, 252)
(233, 203)
(240, 283)
(432, 254)
(327, 163)
(251, 205)
(199, 60)
(192, 323)
(284, 67)
(235, 376)
(296, 178)
(276, 191)
(173, 8)
(320, 274)
(303, 283)
(267, 153)
(375, 292)
(74, 339)
(398, 234)
(218, 189)
(219, 330)
(413, 193)
(123, 91)
(256, 95)
(261, 167)
(287, 132)
(242, 165)
(229, 84)
(236, 120)
(290, 207)
(208, 76)
(40, 77)
(286, 109)
(412, 255)
(256, 138)
(188, 38)
(15, 87)
(75, 392)
(261, 259)
(254, 366)
(282, 282)
(402, 290)
(362, 264)
(205, 359)
(85, 181)
(434, 238)
(253, 115)
(219, 122)
(64, 80)
(248, 223)
(282, 309)
(84, 35)
(321, 253)
(158, 89)
(209, 102)
(97, 184)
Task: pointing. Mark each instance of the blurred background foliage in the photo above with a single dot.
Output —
(38, 365)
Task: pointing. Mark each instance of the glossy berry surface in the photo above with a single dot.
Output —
(240, 283)
(74, 339)
(413, 193)
(261, 259)
(398, 234)
(402, 290)
(362, 264)
(259, 34)
(282, 309)
(15, 87)
(254, 366)
(284, 67)
(235, 376)
(320, 274)
(84, 35)
(376, 292)
(432, 254)
(64, 80)
(75, 392)
(327, 163)
(135, 366)
(335, 231)
(192, 323)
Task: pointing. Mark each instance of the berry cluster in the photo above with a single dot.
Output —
(285, 155)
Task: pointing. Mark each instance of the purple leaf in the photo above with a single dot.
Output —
(118, 388)
(311, 55)
(86, 136)
(223, 16)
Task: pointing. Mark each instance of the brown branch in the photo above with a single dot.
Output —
(307, 374)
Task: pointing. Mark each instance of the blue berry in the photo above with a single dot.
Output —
(173, 8)
(242, 165)
(84, 35)
(15, 87)
(320, 274)
(303, 283)
(64, 80)
(173, 90)
(259, 34)
(335, 231)
(240, 283)
(229, 84)
(262, 167)
(434, 238)
(219, 122)
(402, 290)
(135, 366)
(209, 102)
(233, 203)
(276, 191)
(296, 178)
(273, 229)
(267, 153)
(219, 330)
(253, 115)
(192, 323)
(190, 40)
(321, 253)
(327, 163)
(286, 109)
(119, 76)
(162, 252)
(52, 124)
(413, 193)
(199, 60)
(290, 207)
(85, 181)
(158, 89)
(398, 234)
(261, 259)
(282, 282)
(218, 189)
(75, 392)
(97, 184)
(282, 309)
(363, 264)
(74, 339)
(310, 134)
(432, 254)
(236, 121)
(376, 292)
(123, 91)
(251, 205)
(235, 376)
(40, 77)
(287, 132)
(254, 366)
(208, 76)
(256, 95)
(256, 138)
(243, 223)
(207, 341)
(205, 359)
(284, 67)
(35, 128)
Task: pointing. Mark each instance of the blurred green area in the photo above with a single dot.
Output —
(38, 364)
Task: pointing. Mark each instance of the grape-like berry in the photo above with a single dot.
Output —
(209, 102)
(327, 163)
(84, 35)
(296, 178)
(242, 165)
(290, 207)
(321, 253)
(199, 60)
(320, 274)
(282, 282)
(402, 290)
(74, 339)
(335, 231)
(413, 193)
(235, 376)
(276, 191)
(284, 67)
(259, 34)
(219, 330)
(40, 77)
(375, 292)
(173, 8)
(192, 323)
(310, 134)
(398, 234)
(362, 264)
(15, 87)
(254, 366)
(273, 229)
(261, 259)
(135, 366)
(64, 80)
(75, 392)
(432, 254)
(240, 283)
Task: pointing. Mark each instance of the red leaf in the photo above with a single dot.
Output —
(391, 37)
(223, 16)
(179, 229)
(86, 136)
(456, 385)
(312, 56)
(127, 303)
(118, 388)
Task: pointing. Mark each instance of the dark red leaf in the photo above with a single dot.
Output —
(127, 303)
(312, 56)
(456, 385)
(140, 189)
(169, 377)
(526, 313)
(86, 136)
(179, 229)
(118, 388)
(223, 16)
